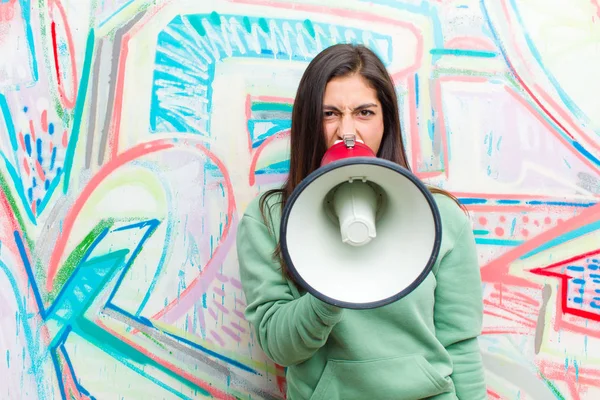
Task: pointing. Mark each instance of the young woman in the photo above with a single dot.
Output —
(421, 346)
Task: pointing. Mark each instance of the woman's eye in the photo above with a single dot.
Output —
(328, 114)
(366, 113)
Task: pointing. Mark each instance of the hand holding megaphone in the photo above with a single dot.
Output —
(360, 231)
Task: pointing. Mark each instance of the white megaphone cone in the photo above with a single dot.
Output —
(359, 232)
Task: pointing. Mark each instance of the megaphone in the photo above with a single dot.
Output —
(359, 232)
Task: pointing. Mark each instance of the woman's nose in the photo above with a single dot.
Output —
(346, 126)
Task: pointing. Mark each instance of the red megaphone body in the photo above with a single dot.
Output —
(348, 147)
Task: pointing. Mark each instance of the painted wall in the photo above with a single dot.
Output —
(134, 133)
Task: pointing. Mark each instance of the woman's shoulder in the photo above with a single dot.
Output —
(454, 217)
(265, 206)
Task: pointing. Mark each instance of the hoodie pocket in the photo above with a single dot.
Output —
(398, 378)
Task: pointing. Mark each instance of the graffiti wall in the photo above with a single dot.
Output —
(134, 133)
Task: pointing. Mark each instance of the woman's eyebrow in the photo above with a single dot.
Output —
(367, 105)
(360, 107)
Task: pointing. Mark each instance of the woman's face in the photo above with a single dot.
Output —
(350, 105)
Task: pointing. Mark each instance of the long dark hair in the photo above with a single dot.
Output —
(307, 137)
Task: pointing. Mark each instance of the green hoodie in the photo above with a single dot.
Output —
(422, 346)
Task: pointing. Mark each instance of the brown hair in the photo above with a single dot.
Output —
(307, 137)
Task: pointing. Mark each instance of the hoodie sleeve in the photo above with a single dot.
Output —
(459, 314)
(288, 329)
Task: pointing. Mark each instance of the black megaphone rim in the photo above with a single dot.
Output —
(342, 163)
